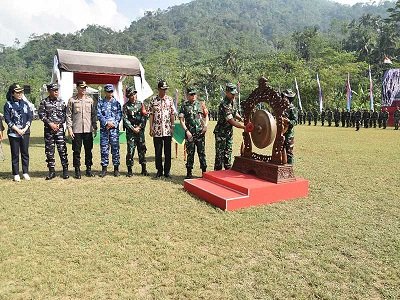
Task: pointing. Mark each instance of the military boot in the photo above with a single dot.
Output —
(130, 174)
(65, 172)
(203, 170)
(116, 171)
(189, 174)
(144, 170)
(77, 173)
(103, 171)
(52, 174)
(89, 171)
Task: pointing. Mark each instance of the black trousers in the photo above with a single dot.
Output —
(19, 145)
(159, 143)
(87, 139)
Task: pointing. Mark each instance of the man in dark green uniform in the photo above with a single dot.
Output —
(194, 120)
(315, 116)
(309, 117)
(227, 118)
(374, 118)
(134, 117)
(291, 117)
(357, 118)
(322, 117)
(396, 116)
(329, 116)
(385, 117)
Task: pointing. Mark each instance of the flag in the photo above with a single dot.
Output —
(371, 90)
(298, 94)
(206, 92)
(319, 94)
(176, 101)
(222, 92)
(348, 92)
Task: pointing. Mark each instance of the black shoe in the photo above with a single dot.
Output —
(116, 171)
(52, 174)
(77, 173)
(189, 174)
(159, 174)
(89, 172)
(203, 170)
(130, 174)
(65, 172)
(144, 171)
(103, 172)
(167, 175)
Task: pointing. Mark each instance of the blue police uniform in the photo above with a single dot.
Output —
(109, 111)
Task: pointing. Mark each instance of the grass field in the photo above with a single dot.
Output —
(142, 238)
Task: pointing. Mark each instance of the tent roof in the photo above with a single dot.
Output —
(100, 63)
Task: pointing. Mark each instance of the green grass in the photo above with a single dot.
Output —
(141, 238)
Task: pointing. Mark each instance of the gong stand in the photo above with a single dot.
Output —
(272, 168)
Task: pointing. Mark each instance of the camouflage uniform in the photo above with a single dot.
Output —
(309, 117)
(193, 114)
(224, 135)
(396, 116)
(385, 117)
(300, 118)
(322, 118)
(329, 116)
(291, 114)
(336, 117)
(54, 111)
(133, 117)
(374, 118)
(357, 118)
(109, 111)
(315, 117)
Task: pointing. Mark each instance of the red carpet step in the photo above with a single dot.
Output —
(231, 190)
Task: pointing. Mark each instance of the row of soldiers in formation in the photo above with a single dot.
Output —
(350, 118)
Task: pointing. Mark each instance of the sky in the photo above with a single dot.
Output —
(19, 19)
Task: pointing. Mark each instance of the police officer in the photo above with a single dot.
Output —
(291, 118)
(396, 116)
(134, 117)
(193, 117)
(52, 111)
(109, 114)
(223, 131)
(82, 126)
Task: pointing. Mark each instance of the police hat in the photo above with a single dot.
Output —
(231, 88)
(52, 87)
(109, 88)
(16, 88)
(288, 93)
(162, 84)
(129, 91)
(191, 90)
(81, 84)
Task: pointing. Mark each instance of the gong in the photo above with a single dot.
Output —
(264, 129)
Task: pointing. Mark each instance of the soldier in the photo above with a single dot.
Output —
(300, 118)
(366, 116)
(162, 117)
(304, 118)
(315, 116)
(353, 118)
(343, 115)
(82, 126)
(374, 118)
(194, 120)
(336, 117)
(371, 112)
(134, 118)
(52, 111)
(385, 117)
(223, 131)
(329, 116)
(396, 116)
(357, 118)
(380, 118)
(309, 117)
(291, 118)
(109, 114)
(322, 117)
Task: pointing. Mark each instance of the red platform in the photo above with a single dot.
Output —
(231, 190)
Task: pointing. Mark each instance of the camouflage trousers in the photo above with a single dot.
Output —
(396, 124)
(107, 138)
(51, 139)
(223, 151)
(198, 141)
(135, 141)
(289, 146)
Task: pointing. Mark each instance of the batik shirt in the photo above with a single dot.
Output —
(162, 109)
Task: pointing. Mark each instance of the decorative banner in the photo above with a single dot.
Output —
(390, 87)
(298, 94)
(371, 90)
(319, 94)
(348, 92)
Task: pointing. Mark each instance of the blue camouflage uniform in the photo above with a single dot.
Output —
(109, 110)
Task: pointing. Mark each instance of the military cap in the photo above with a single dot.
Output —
(109, 88)
(16, 88)
(288, 93)
(191, 90)
(81, 84)
(231, 88)
(52, 87)
(129, 91)
(162, 84)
